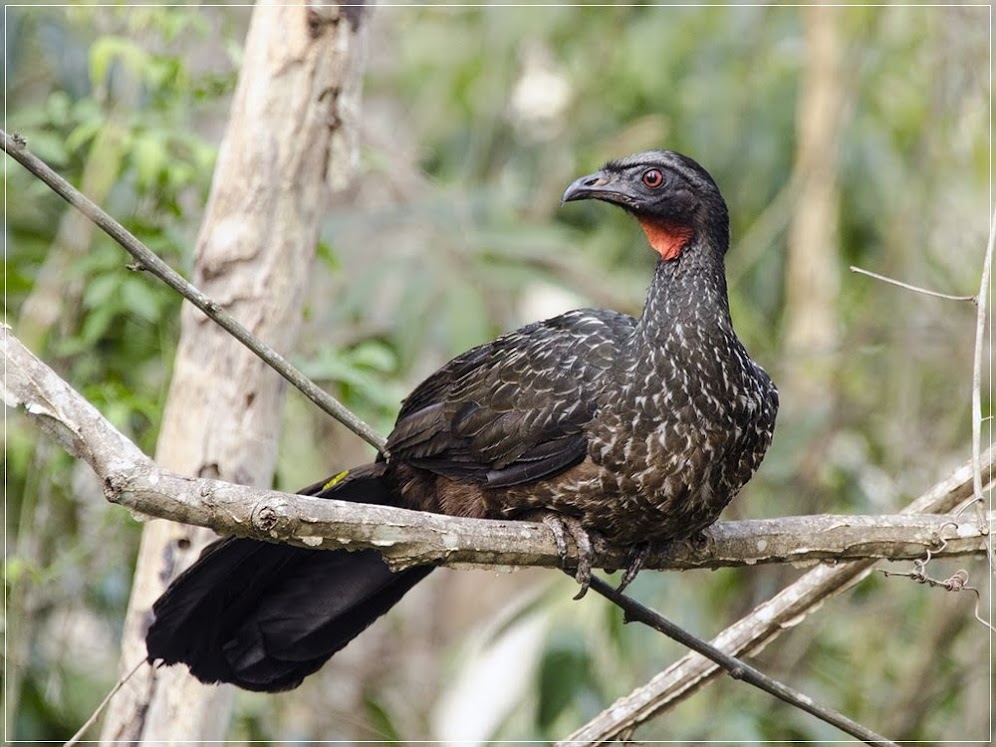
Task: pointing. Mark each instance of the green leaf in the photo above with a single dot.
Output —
(101, 289)
(327, 254)
(15, 569)
(381, 721)
(96, 323)
(57, 108)
(375, 355)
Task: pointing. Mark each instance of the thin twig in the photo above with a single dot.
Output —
(915, 288)
(15, 147)
(980, 337)
(957, 582)
(736, 668)
(103, 704)
(980, 302)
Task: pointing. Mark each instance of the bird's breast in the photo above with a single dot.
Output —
(668, 458)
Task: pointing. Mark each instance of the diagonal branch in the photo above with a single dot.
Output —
(766, 622)
(408, 538)
(736, 668)
(147, 260)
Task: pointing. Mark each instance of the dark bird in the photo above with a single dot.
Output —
(628, 430)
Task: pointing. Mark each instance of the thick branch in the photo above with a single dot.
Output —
(413, 537)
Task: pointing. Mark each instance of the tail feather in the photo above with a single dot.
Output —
(264, 616)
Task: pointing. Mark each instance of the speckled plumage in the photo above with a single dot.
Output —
(635, 429)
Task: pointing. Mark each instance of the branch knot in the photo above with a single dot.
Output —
(272, 517)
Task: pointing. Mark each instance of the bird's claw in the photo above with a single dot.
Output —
(561, 526)
(637, 556)
(635, 559)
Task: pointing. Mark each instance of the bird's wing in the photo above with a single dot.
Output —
(513, 410)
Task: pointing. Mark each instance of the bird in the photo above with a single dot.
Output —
(607, 427)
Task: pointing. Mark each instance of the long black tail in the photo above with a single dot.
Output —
(264, 616)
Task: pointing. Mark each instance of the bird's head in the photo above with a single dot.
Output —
(674, 199)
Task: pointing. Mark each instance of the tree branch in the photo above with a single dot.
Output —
(408, 538)
(147, 260)
(980, 337)
(914, 288)
(412, 537)
(736, 668)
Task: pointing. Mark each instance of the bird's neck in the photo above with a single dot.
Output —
(687, 293)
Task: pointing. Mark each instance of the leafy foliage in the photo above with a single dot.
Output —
(121, 128)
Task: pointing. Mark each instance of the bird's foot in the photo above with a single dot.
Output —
(562, 525)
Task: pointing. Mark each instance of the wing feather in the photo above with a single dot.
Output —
(513, 410)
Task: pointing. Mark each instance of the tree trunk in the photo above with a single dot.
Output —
(812, 275)
(290, 141)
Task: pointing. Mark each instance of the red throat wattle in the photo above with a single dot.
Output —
(667, 239)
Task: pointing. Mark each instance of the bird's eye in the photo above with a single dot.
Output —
(653, 178)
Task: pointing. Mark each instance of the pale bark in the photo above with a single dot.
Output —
(290, 139)
(407, 538)
(812, 273)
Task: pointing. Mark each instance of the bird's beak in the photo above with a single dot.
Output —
(599, 186)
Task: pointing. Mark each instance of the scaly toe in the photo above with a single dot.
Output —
(561, 525)
(556, 525)
(585, 554)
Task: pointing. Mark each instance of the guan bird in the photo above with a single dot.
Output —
(625, 430)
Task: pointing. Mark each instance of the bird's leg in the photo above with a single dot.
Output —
(562, 525)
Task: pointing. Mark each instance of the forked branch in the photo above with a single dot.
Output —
(767, 621)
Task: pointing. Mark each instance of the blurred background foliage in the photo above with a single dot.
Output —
(475, 121)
